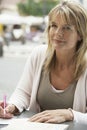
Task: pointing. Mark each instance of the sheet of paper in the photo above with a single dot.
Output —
(6, 121)
(24, 124)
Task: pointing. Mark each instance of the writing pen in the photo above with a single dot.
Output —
(4, 101)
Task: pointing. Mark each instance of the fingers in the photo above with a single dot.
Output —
(10, 108)
(1, 109)
(48, 119)
(2, 104)
(6, 115)
(50, 116)
(39, 118)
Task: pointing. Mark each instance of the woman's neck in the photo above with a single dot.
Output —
(64, 59)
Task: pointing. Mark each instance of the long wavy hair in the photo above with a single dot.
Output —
(74, 13)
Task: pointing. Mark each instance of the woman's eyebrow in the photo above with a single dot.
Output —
(53, 22)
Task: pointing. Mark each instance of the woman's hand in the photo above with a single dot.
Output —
(11, 108)
(5, 115)
(53, 116)
(2, 104)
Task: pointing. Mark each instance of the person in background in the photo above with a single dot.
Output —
(54, 81)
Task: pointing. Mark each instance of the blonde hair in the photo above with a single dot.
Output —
(71, 12)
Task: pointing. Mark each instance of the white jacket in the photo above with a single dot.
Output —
(25, 94)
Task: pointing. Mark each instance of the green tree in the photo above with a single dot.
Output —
(31, 7)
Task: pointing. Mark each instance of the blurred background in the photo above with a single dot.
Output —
(22, 26)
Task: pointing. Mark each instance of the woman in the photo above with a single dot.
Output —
(54, 83)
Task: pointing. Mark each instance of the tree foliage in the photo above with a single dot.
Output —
(30, 7)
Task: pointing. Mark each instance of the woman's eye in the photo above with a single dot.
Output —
(66, 28)
(53, 26)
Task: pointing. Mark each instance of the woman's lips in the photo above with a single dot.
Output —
(59, 41)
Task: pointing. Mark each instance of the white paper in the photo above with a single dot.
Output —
(24, 124)
(6, 121)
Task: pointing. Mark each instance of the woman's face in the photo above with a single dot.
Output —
(63, 36)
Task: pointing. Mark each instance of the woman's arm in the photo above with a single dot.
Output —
(80, 117)
(59, 116)
(11, 108)
(21, 96)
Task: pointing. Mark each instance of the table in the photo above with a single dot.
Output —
(72, 125)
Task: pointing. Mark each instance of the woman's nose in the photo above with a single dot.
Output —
(59, 32)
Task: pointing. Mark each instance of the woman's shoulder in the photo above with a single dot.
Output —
(40, 50)
(38, 53)
(84, 74)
